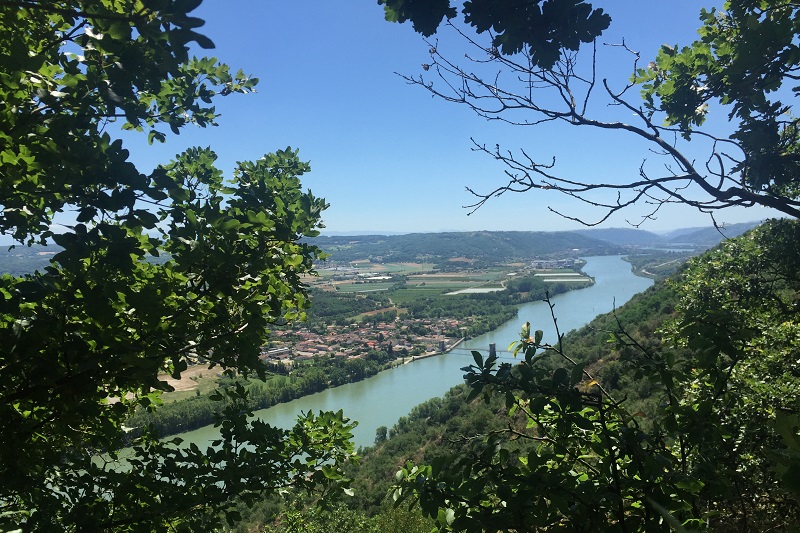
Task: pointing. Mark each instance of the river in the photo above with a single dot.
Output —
(382, 399)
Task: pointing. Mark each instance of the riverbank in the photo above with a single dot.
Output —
(432, 354)
(382, 399)
(380, 344)
(658, 266)
(186, 412)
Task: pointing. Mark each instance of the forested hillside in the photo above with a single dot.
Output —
(25, 259)
(495, 246)
(624, 236)
(708, 237)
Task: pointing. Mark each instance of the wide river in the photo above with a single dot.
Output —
(382, 399)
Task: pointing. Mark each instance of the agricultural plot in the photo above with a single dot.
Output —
(405, 296)
(456, 278)
(459, 282)
(403, 268)
(364, 276)
(562, 276)
(365, 287)
(476, 290)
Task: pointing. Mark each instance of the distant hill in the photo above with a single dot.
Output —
(624, 236)
(476, 245)
(698, 238)
(326, 233)
(676, 233)
(707, 237)
(23, 259)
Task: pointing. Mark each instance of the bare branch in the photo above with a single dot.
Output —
(508, 89)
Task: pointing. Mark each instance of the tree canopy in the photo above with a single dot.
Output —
(154, 271)
(540, 29)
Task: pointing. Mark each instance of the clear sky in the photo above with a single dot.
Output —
(386, 155)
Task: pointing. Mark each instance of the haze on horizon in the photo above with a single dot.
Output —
(359, 232)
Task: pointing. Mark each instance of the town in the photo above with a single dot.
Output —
(406, 338)
(396, 330)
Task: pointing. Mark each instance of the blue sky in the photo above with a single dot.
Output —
(386, 155)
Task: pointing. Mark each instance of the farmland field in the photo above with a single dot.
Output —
(365, 287)
(455, 281)
(364, 276)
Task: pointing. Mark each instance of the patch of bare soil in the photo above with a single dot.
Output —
(187, 382)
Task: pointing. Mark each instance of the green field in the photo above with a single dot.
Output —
(405, 268)
(402, 297)
(455, 281)
(365, 287)
(378, 268)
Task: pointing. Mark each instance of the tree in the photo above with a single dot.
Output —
(745, 56)
(153, 272)
(721, 449)
(711, 445)
(737, 316)
(381, 434)
(571, 456)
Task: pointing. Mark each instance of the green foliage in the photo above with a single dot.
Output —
(539, 29)
(249, 460)
(744, 56)
(717, 445)
(86, 337)
(334, 306)
(381, 434)
(431, 429)
(67, 71)
(738, 318)
(786, 460)
(579, 460)
(425, 16)
(340, 519)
